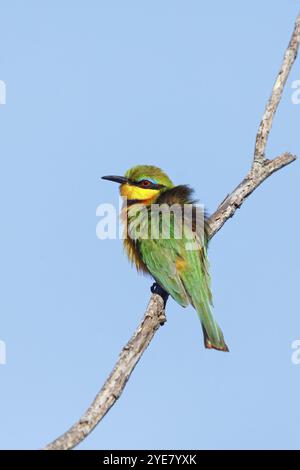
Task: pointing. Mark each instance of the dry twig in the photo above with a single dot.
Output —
(155, 316)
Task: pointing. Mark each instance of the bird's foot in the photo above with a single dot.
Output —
(157, 289)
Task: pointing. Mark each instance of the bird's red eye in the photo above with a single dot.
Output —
(145, 183)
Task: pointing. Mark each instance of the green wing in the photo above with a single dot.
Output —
(180, 266)
(160, 258)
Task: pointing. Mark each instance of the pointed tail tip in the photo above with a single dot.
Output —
(209, 345)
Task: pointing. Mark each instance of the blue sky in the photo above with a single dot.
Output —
(94, 88)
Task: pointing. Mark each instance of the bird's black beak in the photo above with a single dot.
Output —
(116, 179)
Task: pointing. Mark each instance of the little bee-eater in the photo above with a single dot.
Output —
(176, 259)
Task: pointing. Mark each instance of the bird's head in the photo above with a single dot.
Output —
(142, 183)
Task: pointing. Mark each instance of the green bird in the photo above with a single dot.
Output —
(176, 258)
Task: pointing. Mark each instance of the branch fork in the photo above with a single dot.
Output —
(155, 314)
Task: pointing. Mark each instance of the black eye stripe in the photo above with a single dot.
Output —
(149, 185)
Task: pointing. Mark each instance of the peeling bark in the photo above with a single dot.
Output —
(155, 315)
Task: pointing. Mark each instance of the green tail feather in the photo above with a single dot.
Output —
(213, 336)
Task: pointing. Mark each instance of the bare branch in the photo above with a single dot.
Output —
(271, 108)
(155, 315)
(114, 385)
(254, 178)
